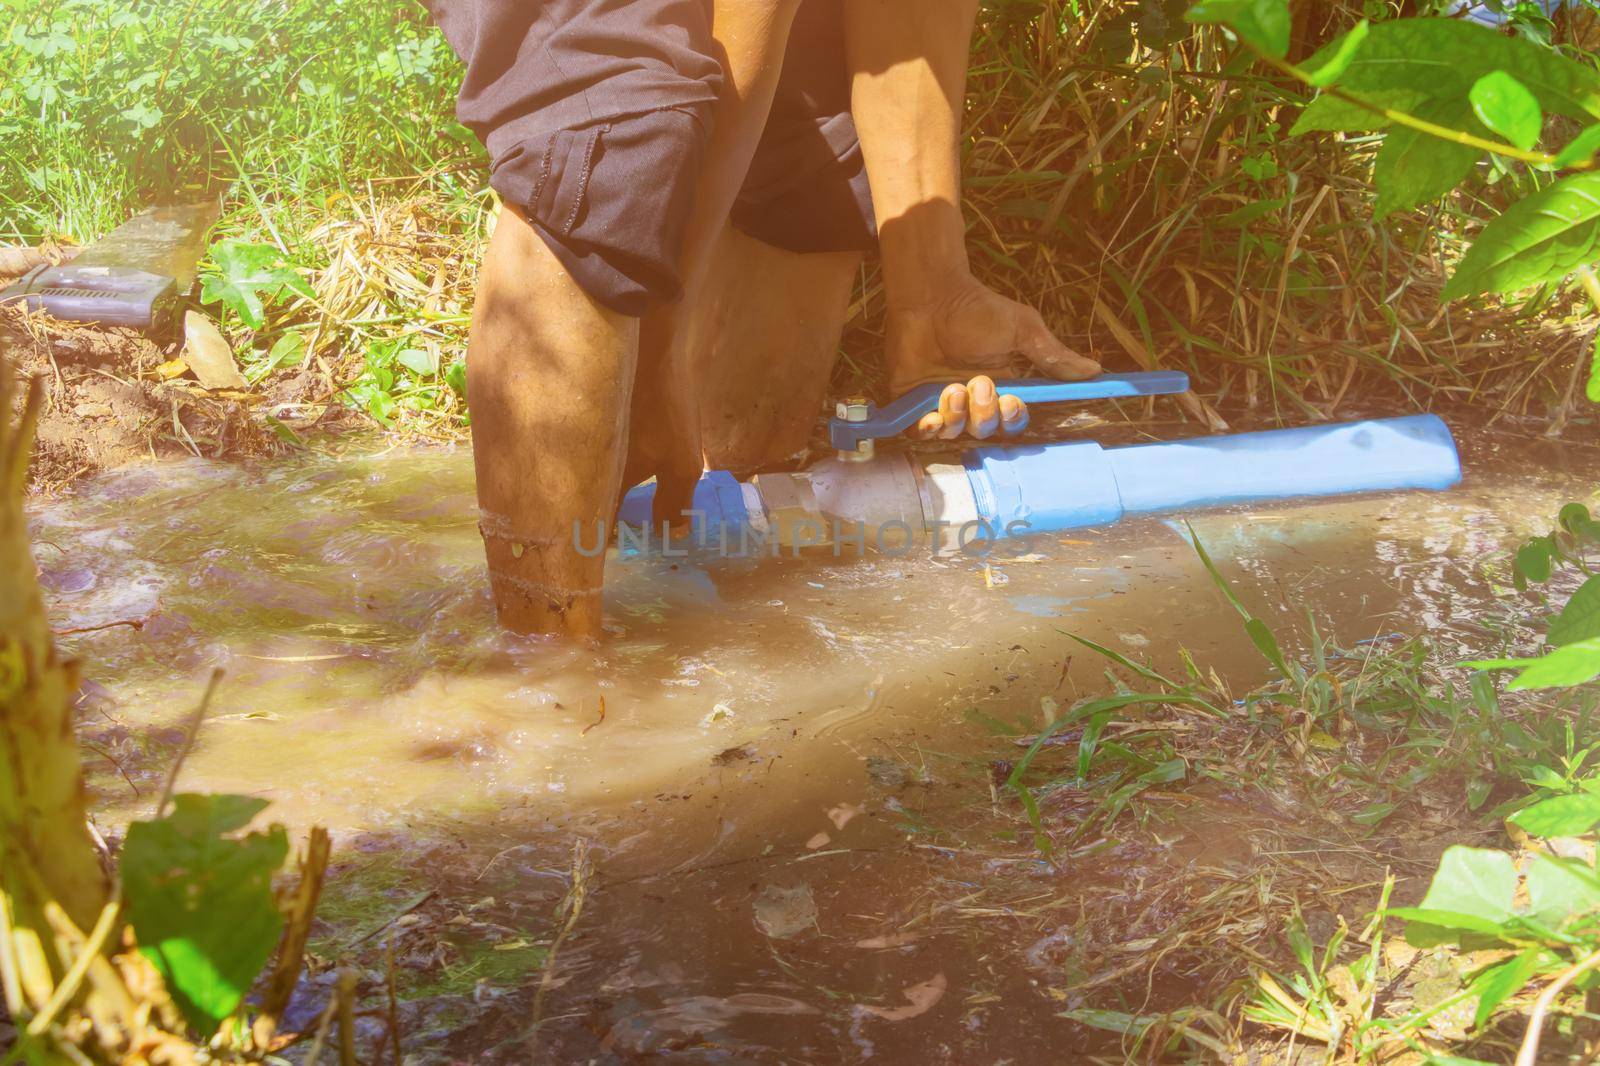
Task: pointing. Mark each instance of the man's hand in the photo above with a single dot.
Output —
(971, 328)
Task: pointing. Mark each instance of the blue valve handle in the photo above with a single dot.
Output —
(906, 411)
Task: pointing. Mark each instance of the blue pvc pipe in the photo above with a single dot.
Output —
(1064, 486)
(1076, 484)
(718, 499)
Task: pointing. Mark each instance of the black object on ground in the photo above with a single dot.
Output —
(135, 276)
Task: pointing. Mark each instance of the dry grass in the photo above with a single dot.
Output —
(1117, 195)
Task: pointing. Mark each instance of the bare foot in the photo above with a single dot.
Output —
(973, 328)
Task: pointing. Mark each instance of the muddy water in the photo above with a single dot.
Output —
(750, 753)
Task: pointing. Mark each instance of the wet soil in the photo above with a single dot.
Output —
(761, 823)
(106, 407)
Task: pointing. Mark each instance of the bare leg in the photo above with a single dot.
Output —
(666, 418)
(546, 456)
(909, 59)
(766, 334)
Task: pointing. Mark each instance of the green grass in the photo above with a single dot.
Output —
(107, 105)
(1346, 774)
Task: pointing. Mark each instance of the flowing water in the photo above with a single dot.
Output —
(741, 765)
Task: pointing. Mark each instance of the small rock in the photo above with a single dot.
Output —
(783, 913)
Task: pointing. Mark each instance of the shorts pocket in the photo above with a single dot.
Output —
(561, 192)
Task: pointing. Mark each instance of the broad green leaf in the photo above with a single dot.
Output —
(1344, 50)
(1533, 560)
(1569, 665)
(1414, 168)
(1437, 57)
(1580, 618)
(1539, 238)
(1474, 881)
(1505, 106)
(245, 276)
(1560, 889)
(1560, 816)
(1576, 520)
(1573, 516)
(1263, 24)
(419, 361)
(1503, 980)
(1334, 114)
(200, 901)
(1582, 147)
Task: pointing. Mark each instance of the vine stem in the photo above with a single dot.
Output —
(1421, 125)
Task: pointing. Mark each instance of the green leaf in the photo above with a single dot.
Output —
(1428, 927)
(1247, 214)
(1088, 742)
(1560, 816)
(1539, 238)
(200, 902)
(1267, 644)
(1580, 618)
(456, 377)
(1334, 114)
(245, 275)
(1478, 788)
(1262, 24)
(1343, 52)
(1572, 664)
(287, 350)
(1414, 168)
(1573, 517)
(1374, 813)
(1504, 105)
(1560, 890)
(1503, 980)
(1258, 631)
(1534, 559)
(419, 361)
(1479, 882)
(1444, 58)
(1580, 148)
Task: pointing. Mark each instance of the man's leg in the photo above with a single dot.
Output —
(595, 116)
(766, 332)
(752, 35)
(549, 377)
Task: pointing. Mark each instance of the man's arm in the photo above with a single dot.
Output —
(909, 64)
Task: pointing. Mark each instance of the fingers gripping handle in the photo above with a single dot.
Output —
(903, 413)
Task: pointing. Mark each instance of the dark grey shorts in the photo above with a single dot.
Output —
(596, 115)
